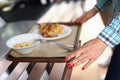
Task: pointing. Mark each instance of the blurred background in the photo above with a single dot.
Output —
(17, 10)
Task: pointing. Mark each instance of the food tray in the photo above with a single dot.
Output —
(49, 53)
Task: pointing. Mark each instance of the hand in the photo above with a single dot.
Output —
(86, 16)
(89, 52)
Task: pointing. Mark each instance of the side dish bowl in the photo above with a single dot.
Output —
(24, 40)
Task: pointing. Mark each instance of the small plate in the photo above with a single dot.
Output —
(66, 31)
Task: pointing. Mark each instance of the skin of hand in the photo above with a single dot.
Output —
(86, 16)
(88, 53)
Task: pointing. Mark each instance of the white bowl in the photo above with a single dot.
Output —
(23, 38)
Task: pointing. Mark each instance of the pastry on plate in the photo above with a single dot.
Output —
(50, 30)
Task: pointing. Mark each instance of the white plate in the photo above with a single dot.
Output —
(66, 31)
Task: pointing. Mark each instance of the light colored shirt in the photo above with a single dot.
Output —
(111, 33)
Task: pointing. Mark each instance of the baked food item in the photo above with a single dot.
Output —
(50, 30)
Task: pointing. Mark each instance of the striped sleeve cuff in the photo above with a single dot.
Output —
(97, 8)
(110, 37)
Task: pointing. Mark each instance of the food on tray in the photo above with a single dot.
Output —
(50, 30)
(22, 44)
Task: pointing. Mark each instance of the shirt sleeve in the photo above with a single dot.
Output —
(102, 5)
(111, 33)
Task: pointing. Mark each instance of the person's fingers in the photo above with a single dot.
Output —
(78, 60)
(74, 54)
(88, 64)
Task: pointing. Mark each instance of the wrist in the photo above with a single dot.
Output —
(101, 42)
(94, 11)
